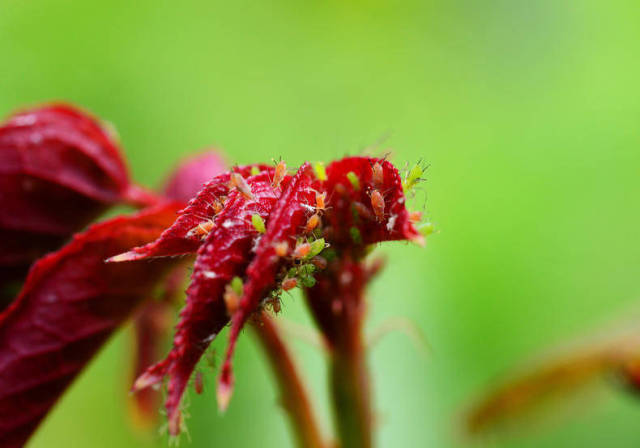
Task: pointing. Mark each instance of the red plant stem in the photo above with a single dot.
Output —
(293, 392)
(338, 306)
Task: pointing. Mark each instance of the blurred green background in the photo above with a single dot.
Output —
(527, 111)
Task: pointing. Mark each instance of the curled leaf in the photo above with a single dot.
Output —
(59, 169)
(70, 303)
(525, 395)
(267, 232)
(370, 210)
(153, 321)
(223, 255)
(286, 222)
(194, 222)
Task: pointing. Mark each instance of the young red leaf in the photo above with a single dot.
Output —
(226, 233)
(59, 169)
(152, 322)
(187, 232)
(70, 303)
(287, 221)
(225, 253)
(361, 205)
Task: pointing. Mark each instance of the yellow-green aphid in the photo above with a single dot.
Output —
(255, 170)
(427, 228)
(237, 286)
(321, 173)
(305, 275)
(210, 357)
(355, 182)
(316, 247)
(413, 176)
(258, 223)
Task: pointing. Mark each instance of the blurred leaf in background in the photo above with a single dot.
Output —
(527, 111)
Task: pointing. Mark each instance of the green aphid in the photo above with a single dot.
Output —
(316, 247)
(355, 235)
(210, 358)
(305, 275)
(237, 286)
(258, 223)
(308, 281)
(306, 269)
(355, 182)
(427, 228)
(255, 170)
(320, 171)
(413, 176)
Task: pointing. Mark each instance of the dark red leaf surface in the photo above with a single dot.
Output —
(224, 254)
(342, 198)
(71, 302)
(59, 169)
(365, 204)
(181, 237)
(153, 322)
(287, 221)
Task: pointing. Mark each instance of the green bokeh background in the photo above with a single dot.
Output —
(527, 111)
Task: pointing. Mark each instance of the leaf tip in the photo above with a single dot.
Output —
(125, 256)
(223, 394)
(145, 380)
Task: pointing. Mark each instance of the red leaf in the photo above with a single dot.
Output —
(152, 323)
(69, 305)
(226, 251)
(59, 169)
(183, 236)
(352, 207)
(224, 254)
(287, 221)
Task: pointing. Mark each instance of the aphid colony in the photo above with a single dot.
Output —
(306, 260)
(377, 200)
(238, 182)
(203, 228)
(305, 255)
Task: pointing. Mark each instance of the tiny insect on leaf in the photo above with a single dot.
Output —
(320, 171)
(258, 223)
(353, 180)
